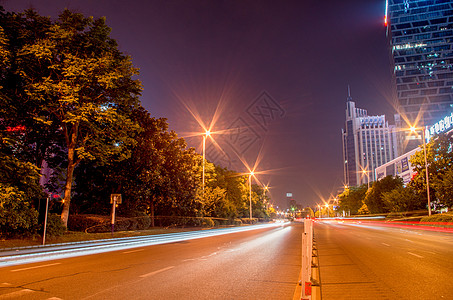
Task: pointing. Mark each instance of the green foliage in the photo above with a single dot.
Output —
(402, 199)
(444, 188)
(17, 217)
(208, 222)
(55, 226)
(373, 198)
(446, 217)
(75, 81)
(351, 200)
(440, 165)
(364, 210)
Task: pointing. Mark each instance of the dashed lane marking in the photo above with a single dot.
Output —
(416, 255)
(35, 267)
(16, 294)
(132, 251)
(156, 272)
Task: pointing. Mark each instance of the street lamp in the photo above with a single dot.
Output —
(365, 171)
(250, 194)
(265, 189)
(207, 133)
(413, 129)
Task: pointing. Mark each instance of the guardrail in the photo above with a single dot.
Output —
(309, 278)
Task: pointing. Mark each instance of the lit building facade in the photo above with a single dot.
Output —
(421, 37)
(368, 142)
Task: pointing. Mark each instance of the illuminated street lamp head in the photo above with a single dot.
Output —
(413, 128)
(208, 133)
(252, 173)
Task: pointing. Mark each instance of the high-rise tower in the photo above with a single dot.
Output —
(421, 36)
(368, 142)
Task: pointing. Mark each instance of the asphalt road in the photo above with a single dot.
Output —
(258, 264)
(358, 261)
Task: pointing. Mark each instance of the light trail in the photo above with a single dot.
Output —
(52, 252)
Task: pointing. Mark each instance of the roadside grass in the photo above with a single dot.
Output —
(75, 236)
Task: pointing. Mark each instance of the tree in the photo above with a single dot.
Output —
(373, 198)
(440, 163)
(84, 84)
(351, 200)
(444, 188)
(402, 199)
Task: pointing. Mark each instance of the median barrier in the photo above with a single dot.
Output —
(309, 283)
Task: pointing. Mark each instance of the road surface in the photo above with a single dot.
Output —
(258, 264)
(358, 261)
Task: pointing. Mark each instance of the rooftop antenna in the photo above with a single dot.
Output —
(349, 94)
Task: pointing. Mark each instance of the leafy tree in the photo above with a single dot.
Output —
(351, 200)
(373, 198)
(84, 85)
(402, 199)
(440, 163)
(19, 187)
(444, 188)
(17, 216)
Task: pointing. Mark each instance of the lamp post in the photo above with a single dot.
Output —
(264, 196)
(250, 194)
(365, 171)
(207, 133)
(426, 167)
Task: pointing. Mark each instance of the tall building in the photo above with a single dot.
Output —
(368, 142)
(421, 37)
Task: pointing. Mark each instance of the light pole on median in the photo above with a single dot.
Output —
(413, 129)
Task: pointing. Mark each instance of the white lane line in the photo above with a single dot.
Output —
(385, 244)
(5, 284)
(156, 272)
(35, 267)
(132, 251)
(15, 295)
(54, 298)
(416, 255)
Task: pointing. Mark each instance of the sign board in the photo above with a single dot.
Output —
(289, 195)
(115, 198)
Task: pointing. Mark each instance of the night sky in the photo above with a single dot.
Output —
(275, 73)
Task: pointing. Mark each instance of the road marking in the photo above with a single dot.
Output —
(54, 298)
(35, 267)
(155, 272)
(6, 283)
(132, 251)
(16, 294)
(385, 244)
(416, 255)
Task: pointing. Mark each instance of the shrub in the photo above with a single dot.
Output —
(143, 222)
(438, 218)
(208, 222)
(237, 222)
(84, 222)
(55, 226)
(17, 217)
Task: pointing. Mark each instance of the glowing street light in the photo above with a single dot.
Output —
(205, 135)
(365, 171)
(413, 129)
(250, 194)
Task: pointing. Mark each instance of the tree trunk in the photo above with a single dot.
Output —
(152, 213)
(72, 142)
